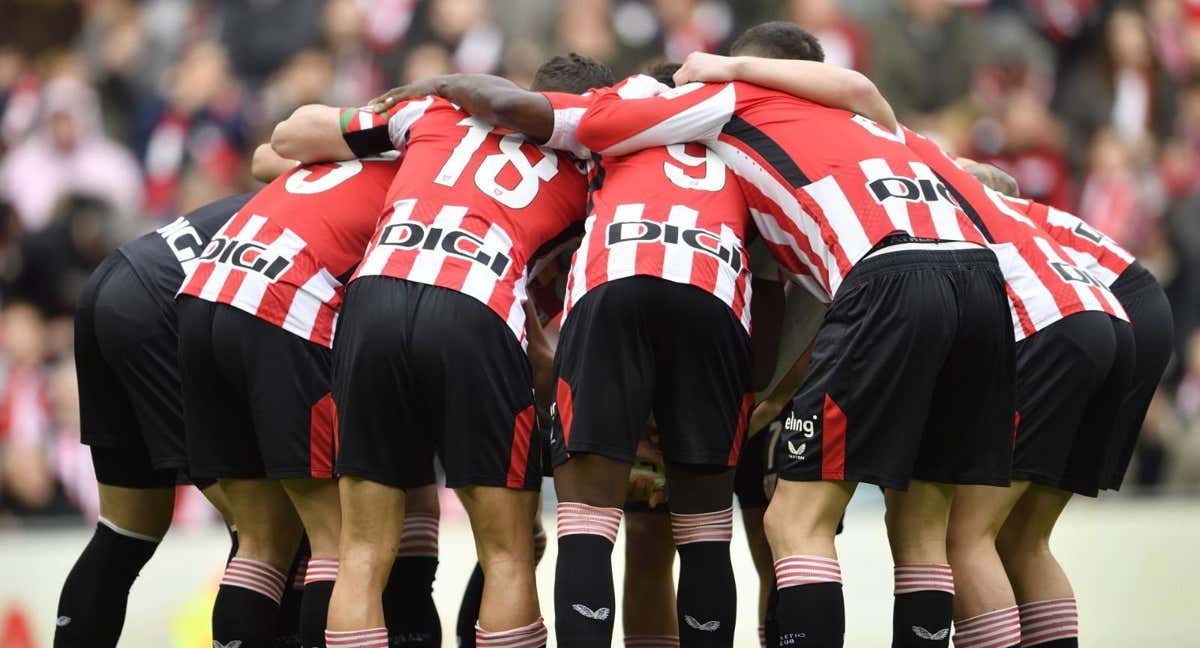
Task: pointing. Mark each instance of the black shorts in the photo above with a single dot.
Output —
(911, 376)
(128, 375)
(421, 370)
(751, 470)
(256, 397)
(1071, 379)
(640, 346)
(1153, 334)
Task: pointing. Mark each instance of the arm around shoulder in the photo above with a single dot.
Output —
(312, 134)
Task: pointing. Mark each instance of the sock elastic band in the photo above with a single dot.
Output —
(1043, 621)
(321, 569)
(651, 641)
(255, 576)
(420, 537)
(372, 638)
(924, 577)
(716, 526)
(995, 629)
(530, 636)
(577, 518)
(806, 570)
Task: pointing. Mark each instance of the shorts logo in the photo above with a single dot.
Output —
(931, 636)
(247, 255)
(796, 451)
(806, 426)
(708, 626)
(700, 240)
(455, 242)
(600, 614)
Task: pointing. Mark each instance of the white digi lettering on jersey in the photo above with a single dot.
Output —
(714, 169)
(299, 182)
(489, 170)
(875, 129)
(184, 241)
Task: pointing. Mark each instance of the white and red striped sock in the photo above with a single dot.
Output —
(1051, 620)
(995, 629)
(255, 576)
(578, 518)
(716, 526)
(806, 570)
(321, 569)
(372, 638)
(923, 577)
(651, 641)
(420, 537)
(531, 636)
(762, 636)
(300, 573)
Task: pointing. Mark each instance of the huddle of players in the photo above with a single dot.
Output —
(950, 307)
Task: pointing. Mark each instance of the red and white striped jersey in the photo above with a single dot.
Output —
(824, 186)
(1044, 284)
(285, 256)
(475, 207)
(1089, 248)
(672, 212)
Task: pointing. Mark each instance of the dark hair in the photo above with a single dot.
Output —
(778, 39)
(664, 71)
(571, 73)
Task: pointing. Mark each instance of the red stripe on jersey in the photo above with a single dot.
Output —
(563, 407)
(1019, 310)
(193, 284)
(519, 459)
(833, 441)
(322, 430)
(232, 283)
(275, 304)
(742, 423)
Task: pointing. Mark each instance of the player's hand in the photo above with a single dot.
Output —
(709, 68)
(763, 414)
(414, 90)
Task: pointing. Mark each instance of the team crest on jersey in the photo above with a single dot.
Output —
(700, 240)
(922, 190)
(247, 255)
(455, 242)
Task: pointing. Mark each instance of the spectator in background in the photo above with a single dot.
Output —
(68, 152)
(1025, 142)
(843, 40)
(356, 75)
(1117, 198)
(262, 34)
(924, 56)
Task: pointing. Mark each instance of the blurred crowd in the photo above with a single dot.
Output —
(118, 115)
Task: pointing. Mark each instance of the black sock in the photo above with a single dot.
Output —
(91, 608)
(408, 607)
(247, 605)
(314, 609)
(583, 580)
(707, 598)
(771, 620)
(924, 606)
(812, 615)
(293, 597)
(468, 611)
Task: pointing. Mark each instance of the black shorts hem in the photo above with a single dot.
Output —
(966, 480)
(882, 482)
(491, 482)
(586, 448)
(1057, 483)
(386, 480)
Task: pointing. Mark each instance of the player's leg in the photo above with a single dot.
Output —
(468, 610)
(980, 582)
(751, 493)
(412, 617)
(648, 596)
(317, 503)
(917, 519)
(760, 554)
(1047, 601)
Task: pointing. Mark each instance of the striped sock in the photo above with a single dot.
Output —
(995, 629)
(314, 605)
(255, 576)
(530, 636)
(320, 569)
(651, 641)
(583, 581)
(924, 605)
(811, 608)
(707, 598)
(408, 606)
(373, 638)
(762, 636)
(420, 536)
(1055, 620)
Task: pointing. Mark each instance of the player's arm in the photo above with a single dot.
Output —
(616, 124)
(991, 176)
(493, 99)
(313, 133)
(266, 165)
(822, 83)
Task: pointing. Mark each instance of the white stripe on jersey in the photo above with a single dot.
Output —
(1039, 302)
(1091, 264)
(943, 212)
(516, 312)
(726, 286)
(306, 304)
(622, 256)
(481, 281)
(216, 281)
(897, 210)
(677, 259)
(404, 118)
(378, 255)
(577, 281)
(1069, 221)
(749, 169)
(427, 264)
(843, 220)
(250, 293)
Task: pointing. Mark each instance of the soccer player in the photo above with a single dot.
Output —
(131, 414)
(429, 355)
(256, 319)
(1073, 335)
(917, 304)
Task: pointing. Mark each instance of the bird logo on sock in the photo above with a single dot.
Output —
(599, 614)
(236, 643)
(62, 621)
(708, 626)
(932, 636)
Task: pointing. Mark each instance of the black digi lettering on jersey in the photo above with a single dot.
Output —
(1075, 274)
(1084, 231)
(700, 240)
(247, 255)
(922, 190)
(455, 242)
